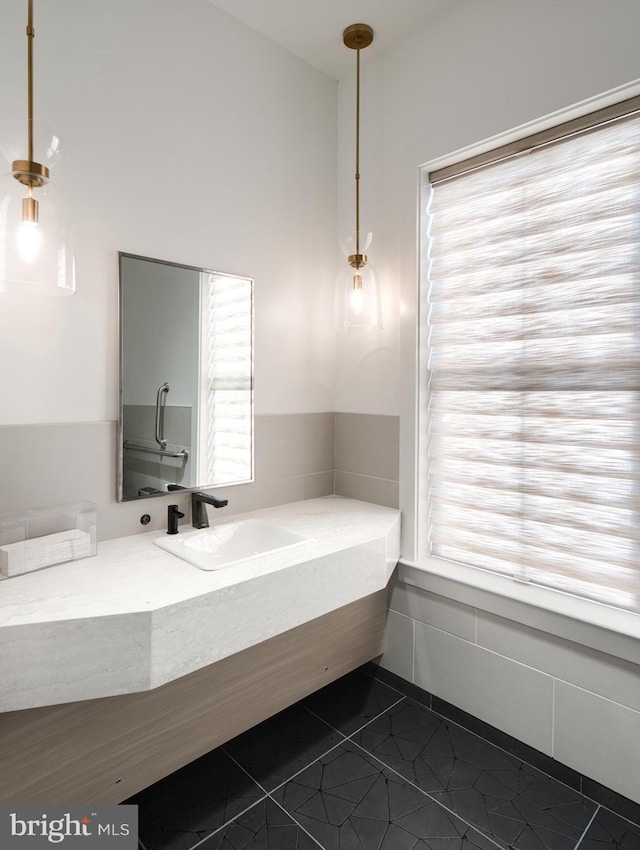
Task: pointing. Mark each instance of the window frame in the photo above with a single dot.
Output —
(612, 630)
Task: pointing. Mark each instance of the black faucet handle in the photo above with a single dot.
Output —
(173, 515)
(199, 517)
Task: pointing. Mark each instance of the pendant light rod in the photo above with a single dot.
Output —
(358, 151)
(27, 171)
(357, 37)
(30, 36)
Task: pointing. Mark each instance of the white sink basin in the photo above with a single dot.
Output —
(222, 546)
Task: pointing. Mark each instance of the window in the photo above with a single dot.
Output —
(227, 381)
(530, 360)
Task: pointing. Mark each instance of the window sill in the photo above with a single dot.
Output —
(591, 624)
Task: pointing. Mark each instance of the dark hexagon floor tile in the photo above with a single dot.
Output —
(517, 805)
(276, 749)
(190, 804)
(611, 832)
(349, 801)
(265, 826)
(350, 702)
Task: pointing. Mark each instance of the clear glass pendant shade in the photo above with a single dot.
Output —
(48, 148)
(357, 298)
(361, 241)
(35, 256)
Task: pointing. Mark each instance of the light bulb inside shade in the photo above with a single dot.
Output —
(29, 240)
(357, 298)
(34, 258)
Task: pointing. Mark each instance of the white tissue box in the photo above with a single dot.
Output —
(43, 537)
(28, 555)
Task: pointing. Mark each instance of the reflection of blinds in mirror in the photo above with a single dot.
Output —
(532, 321)
(227, 331)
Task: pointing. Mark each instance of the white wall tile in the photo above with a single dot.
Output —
(594, 671)
(501, 692)
(434, 610)
(367, 444)
(580, 621)
(398, 654)
(51, 464)
(377, 490)
(599, 738)
(293, 444)
(319, 484)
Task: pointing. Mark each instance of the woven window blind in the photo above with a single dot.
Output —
(229, 376)
(530, 344)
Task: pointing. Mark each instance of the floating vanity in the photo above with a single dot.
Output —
(118, 669)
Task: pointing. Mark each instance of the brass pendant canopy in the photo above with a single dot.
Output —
(358, 36)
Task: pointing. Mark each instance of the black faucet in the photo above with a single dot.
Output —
(173, 515)
(199, 518)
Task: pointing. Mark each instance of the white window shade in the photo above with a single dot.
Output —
(227, 404)
(531, 329)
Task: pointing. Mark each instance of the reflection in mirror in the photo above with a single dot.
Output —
(186, 378)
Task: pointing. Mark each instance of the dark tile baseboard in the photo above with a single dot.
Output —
(589, 787)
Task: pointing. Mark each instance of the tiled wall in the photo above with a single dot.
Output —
(52, 464)
(367, 459)
(578, 705)
(295, 458)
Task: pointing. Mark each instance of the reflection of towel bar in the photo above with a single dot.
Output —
(184, 454)
(162, 394)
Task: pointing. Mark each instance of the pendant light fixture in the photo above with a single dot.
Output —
(36, 255)
(358, 296)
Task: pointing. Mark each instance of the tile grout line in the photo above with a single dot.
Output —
(227, 822)
(244, 770)
(265, 794)
(288, 814)
(464, 728)
(511, 755)
(428, 796)
(302, 769)
(360, 728)
(587, 828)
(269, 794)
(502, 749)
(379, 681)
(344, 739)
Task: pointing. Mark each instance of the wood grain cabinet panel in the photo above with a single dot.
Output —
(105, 750)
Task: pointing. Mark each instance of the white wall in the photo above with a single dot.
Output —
(478, 69)
(191, 138)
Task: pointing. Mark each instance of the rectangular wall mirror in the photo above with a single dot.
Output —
(186, 378)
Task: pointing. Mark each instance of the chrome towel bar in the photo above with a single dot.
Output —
(183, 455)
(162, 394)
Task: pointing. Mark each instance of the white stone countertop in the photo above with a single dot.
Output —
(135, 616)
